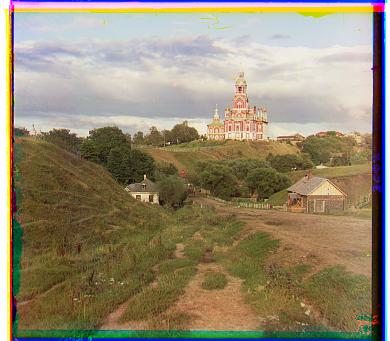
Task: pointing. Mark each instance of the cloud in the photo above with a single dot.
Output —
(173, 78)
(279, 36)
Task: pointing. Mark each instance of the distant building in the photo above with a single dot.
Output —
(329, 133)
(145, 191)
(313, 194)
(241, 122)
(293, 139)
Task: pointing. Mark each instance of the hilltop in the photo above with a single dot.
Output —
(186, 155)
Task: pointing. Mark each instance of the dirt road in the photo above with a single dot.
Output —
(322, 240)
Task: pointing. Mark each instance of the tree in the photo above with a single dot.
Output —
(139, 163)
(164, 169)
(220, 180)
(139, 138)
(117, 164)
(181, 133)
(19, 132)
(88, 151)
(105, 139)
(154, 137)
(288, 162)
(64, 139)
(266, 181)
(172, 191)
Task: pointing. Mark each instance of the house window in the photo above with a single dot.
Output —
(138, 197)
(151, 198)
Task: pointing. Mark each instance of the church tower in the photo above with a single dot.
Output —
(241, 122)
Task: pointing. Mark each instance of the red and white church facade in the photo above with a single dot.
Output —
(241, 122)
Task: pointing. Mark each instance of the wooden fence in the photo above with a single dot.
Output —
(247, 204)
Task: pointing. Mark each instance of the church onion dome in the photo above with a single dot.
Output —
(241, 80)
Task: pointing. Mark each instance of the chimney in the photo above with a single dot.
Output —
(309, 174)
(144, 176)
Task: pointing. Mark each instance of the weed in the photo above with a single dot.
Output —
(214, 280)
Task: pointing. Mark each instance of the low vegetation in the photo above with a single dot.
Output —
(214, 280)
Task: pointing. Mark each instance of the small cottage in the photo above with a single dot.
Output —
(145, 191)
(313, 194)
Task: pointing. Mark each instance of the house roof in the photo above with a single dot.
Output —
(144, 186)
(306, 185)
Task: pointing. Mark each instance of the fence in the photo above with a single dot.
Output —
(247, 204)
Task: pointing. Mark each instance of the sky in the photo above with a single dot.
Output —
(82, 71)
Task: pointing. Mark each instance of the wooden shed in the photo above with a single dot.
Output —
(313, 194)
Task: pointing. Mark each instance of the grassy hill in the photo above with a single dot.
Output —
(87, 246)
(354, 180)
(185, 156)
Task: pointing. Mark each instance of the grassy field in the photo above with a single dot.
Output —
(185, 156)
(88, 248)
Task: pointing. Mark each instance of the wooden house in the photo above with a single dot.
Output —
(313, 194)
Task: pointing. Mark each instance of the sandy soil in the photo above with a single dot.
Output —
(320, 240)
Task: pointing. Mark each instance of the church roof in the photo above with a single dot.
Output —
(144, 186)
(241, 80)
(216, 123)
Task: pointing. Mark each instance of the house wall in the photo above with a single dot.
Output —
(144, 196)
(326, 188)
(325, 203)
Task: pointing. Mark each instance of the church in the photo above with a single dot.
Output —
(241, 122)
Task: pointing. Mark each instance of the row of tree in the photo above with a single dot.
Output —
(180, 133)
(239, 178)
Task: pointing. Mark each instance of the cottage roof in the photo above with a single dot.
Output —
(144, 186)
(308, 184)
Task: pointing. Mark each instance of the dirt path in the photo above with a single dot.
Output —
(112, 320)
(321, 240)
(223, 309)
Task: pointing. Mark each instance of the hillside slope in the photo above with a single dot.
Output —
(185, 156)
(85, 240)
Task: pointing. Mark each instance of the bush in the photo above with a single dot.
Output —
(64, 139)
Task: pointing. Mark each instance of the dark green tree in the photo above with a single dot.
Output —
(107, 138)
(172, 191)
(64, 139)
(88, 151)
(182, 133)
(138, 164)
(220, 180)
(266, 181)
(117, 164)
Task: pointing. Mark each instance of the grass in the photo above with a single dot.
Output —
(334, 172)
(83, 231)
(185, 156)
(340, 296)
(278, 198)
(153, 301)
(214, 280)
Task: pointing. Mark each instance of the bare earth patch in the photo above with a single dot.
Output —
(223, 309)
(321, 240)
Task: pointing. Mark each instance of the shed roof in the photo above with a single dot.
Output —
(144, 186)
(308, 184)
